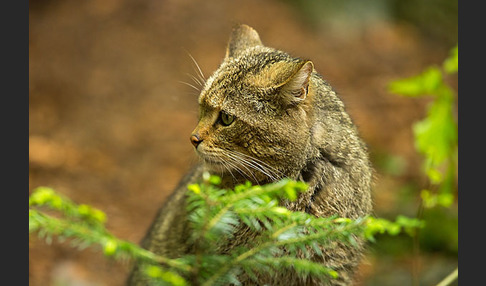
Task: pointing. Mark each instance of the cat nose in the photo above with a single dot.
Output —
(195, 140)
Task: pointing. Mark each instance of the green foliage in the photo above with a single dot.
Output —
(425, 83)
(285, 239)
(436, 136)
(402, 223)
(451, 64)
(44, 196)
(83, 226)
(164, 277)
(216, 214)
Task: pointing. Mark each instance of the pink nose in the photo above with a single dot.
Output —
(195, 140)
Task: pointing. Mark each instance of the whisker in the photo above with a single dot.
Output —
(225, 165)
(190, 85)
(247, 163)
(248, 174)
(236, 162)
(202, 77)
(261, 166)
(228, 165)
(195, 79)
(257, 160)
(235, 167)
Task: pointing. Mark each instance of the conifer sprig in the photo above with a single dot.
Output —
(284, 239)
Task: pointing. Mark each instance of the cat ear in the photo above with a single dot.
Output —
(296, 88)
(242, 37)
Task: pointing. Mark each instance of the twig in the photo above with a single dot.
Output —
(449, 278)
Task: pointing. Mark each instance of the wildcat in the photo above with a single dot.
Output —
(265, 115)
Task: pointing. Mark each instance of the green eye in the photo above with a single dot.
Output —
(225, 118)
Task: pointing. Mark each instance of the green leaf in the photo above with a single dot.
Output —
(425, 83)
(110, 247)
(436, 135)
(164, 275)
(393, 229)
(195, 188)
(428, 199)
(445, 199)
(214, 180)
(291, 193)
(92, 213)
(41, 196)
(451, 64)
(409, 224)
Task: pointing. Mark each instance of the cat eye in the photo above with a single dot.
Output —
(225, 118)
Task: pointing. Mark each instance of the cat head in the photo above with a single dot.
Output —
(253, 119)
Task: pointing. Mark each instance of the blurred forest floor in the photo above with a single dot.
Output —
(109, 120)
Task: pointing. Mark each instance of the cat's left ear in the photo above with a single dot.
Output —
(242, 37)
(296, 88)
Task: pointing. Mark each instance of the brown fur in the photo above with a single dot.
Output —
(287, 122)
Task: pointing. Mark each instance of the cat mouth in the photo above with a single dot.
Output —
(215, 165)
(210, 160)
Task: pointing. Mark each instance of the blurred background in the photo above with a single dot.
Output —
(109, 119)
